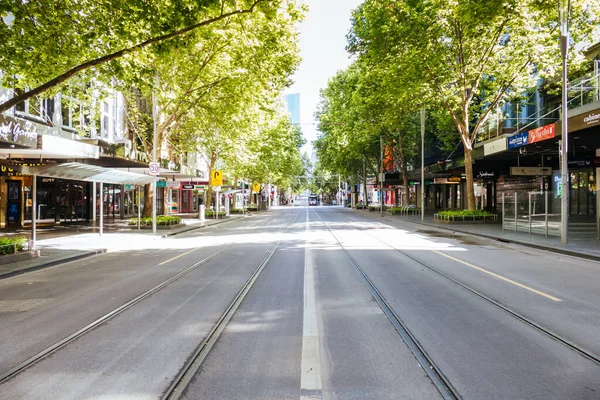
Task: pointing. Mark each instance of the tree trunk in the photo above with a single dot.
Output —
(148, 201)
(404, 175)
(469, 173)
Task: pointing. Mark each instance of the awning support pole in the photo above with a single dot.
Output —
(139, 207)
(101, 207)
(94, 204)
(33, 213)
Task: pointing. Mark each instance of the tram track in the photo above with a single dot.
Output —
(510, 311)
(179, 384)
(32, 360)
(435, 374)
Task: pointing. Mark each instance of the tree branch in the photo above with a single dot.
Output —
(109, 57)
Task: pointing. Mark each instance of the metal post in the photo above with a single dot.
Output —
(101, 208)
(530, 213)
(503, 214)
(217, 201)
(244, 195)
(94, 195)
(154, 148)
(516, 215)
(33, 212)
(564, 9)
(422, 163)
(154, 203)
(546, 211)
(381, 174)
(139, 207)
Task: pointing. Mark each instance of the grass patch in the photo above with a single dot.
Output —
(12, 244)
(161, 220)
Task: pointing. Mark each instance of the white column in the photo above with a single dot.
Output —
(34, 212)
(101, 208)
(94, 194)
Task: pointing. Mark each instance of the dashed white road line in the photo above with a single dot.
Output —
(310, 379)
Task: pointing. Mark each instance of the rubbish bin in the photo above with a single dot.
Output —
(202, 214)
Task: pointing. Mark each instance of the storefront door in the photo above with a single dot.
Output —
(13, 204)
(582, 194)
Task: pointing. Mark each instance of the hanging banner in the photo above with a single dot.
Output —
(518, 140)
(543, 133)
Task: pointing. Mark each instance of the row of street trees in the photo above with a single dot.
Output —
(216, 68)
(459, 59)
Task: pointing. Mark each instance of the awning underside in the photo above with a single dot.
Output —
(90, 173)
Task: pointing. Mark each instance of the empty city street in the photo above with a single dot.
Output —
(306, 302)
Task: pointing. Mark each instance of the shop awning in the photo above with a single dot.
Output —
(89, 173)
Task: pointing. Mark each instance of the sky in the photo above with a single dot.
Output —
(322, 48)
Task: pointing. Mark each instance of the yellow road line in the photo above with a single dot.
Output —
(499, 277)
(176, 257)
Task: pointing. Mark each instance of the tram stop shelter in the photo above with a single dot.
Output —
(89, 173)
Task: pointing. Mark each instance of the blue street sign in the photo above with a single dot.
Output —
(518, 140)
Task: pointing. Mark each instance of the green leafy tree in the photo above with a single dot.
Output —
(102, 38)
(467, 56)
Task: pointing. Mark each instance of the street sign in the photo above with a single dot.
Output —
(154, 168)
(217, 188)
(256, 187)
(216, 178)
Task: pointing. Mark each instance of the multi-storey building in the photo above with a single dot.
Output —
(44, 132)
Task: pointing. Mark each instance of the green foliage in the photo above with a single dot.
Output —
(8, 244)
(374, 208)
(465, 213)
(466, 57)
(211, 214)
(161, 220)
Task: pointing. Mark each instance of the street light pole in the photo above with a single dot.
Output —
(563, 11)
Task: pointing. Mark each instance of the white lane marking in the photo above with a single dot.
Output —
(310, 378)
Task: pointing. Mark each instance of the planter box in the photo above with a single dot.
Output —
(477, 219)
(466, 222)
(158, 227)
(20, 256)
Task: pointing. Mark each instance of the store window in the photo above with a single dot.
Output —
(36, 108)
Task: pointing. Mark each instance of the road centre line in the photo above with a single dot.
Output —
(310, 366)
(499, 277)
(181, 255)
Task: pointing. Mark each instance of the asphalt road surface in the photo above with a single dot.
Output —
(306, 303)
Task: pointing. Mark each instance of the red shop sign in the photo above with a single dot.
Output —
(543, 133)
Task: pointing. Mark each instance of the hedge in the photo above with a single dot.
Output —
(210, 214)
(8, 244)
(162, 220)
(465, 213)
(235, 211)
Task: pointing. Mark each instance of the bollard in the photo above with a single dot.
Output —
(202, 214)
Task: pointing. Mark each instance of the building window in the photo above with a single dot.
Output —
(36, 108)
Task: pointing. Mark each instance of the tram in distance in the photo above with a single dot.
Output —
(313, 200)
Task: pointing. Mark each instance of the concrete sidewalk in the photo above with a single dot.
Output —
(584, 248)
(63, 247)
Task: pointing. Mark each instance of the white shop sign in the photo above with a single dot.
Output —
(495, 147)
